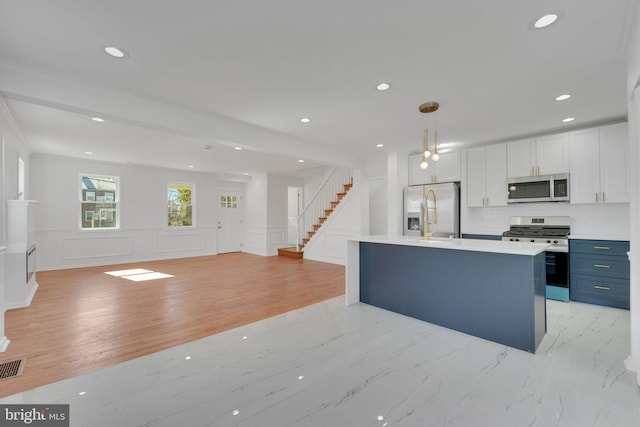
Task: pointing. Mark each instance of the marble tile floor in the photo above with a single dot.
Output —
(332, 365)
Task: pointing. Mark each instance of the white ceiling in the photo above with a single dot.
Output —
(242, 73)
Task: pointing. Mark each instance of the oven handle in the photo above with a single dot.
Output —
(560, 249)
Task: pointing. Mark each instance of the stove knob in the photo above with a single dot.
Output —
(517, 240)
(549, 241)
(532, 241)
(555, 242)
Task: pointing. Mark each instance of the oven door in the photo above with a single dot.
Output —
(557, 266)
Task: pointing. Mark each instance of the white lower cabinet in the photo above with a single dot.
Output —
(487, 176)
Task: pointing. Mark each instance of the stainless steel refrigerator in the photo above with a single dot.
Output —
(443, 211)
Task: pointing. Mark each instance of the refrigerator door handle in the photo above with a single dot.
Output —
(422, 219)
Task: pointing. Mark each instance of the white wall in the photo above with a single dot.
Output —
(293, 210)
(266, 213)
(378, 204)
(143, 233)
(633, 80)
(277, 210)
(12, 146)
(255, 215)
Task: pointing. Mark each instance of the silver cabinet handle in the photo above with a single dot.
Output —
(487, 201)
(597, 198)
(604, 288)
(603, 196)
(601, 266)
(538, 170)
(604, 248)
(533, 170)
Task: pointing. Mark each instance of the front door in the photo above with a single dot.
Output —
(230, 216)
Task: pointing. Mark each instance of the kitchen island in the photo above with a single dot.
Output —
(490, 289)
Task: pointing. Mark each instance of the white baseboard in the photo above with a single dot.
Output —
(4, 343)
(27, 300)
(632, 366)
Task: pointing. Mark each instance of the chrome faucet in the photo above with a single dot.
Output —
(428, 234)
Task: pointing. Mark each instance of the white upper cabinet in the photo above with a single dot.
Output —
(521, 157)
(599, 165)
(540, 156)
(447, 169)
(417, 175)
(553, 154)
(486, 182)
(614, 163)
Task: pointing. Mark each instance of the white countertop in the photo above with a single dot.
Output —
(495, 246)
(598, 237)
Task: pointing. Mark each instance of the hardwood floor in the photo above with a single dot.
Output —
(82, 319)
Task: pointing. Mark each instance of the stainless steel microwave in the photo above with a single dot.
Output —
(543, 188)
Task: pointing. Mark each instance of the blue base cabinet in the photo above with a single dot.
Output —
(599, 272)
(495, 296)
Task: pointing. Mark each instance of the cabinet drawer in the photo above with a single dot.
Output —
(604, 247)
(594, 285)
(600, 265)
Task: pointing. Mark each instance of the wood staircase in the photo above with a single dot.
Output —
(291, 251)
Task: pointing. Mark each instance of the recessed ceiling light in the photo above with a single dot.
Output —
(238, 148)
(568, 119)
(88, 152)
(246, 173)
(383, 86)
(97, 119)
(563, 97)
(115, 52)
(380, 145)
(305, 120)
(190, 166)
(545, 21)
(300, 161)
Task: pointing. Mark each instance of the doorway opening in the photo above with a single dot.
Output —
(294, 207)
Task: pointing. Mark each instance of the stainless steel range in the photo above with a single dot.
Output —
(554, 230)
(540, 229)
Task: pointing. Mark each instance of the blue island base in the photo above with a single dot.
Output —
(496, 296)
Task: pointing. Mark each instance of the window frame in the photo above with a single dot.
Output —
(192, 205)
(116, 201)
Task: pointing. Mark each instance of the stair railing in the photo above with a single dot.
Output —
(321, 201)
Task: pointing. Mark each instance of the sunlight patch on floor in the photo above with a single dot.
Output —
(138, 274)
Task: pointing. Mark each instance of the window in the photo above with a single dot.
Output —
(180, 208)
(99, 202)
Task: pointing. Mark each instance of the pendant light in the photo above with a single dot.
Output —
(426, 108)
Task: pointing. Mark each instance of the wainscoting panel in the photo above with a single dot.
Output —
(97, 247)
(255, 240)
(179, 242)
(277, 239)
